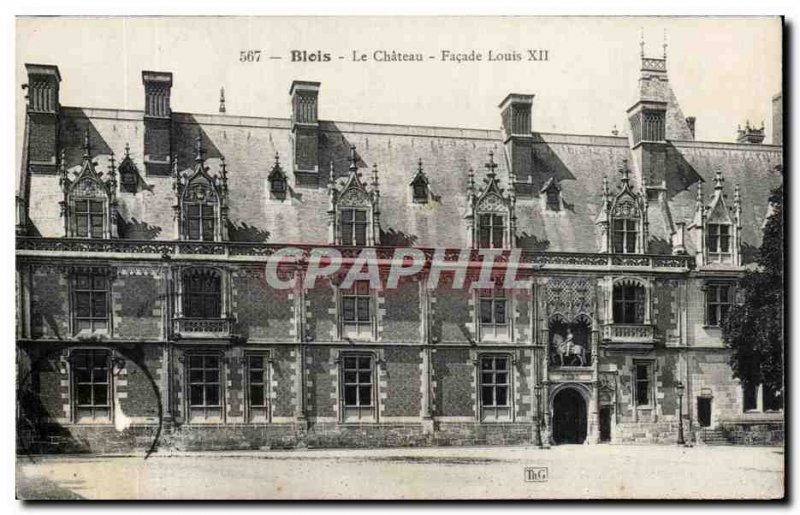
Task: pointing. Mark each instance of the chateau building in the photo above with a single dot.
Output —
(145, 318)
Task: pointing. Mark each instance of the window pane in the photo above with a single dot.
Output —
(350, 395)
(363, 310)
(486, 311)
(501, 364)
(84, 394)
(364, 362)
(365, 395)
(501, 396)
(196, 361)
(350, 377)
(501, 378)
(487, 378)
(212, 376)
(347, 234)
(641, 393)
(193, 229)
(82, 225)
(101, 395)
(256, 376)
(193, 210)
(361, 234)
(212, 395)
(487, 396)
(83, 304)
(211, 361)
(348, 304)
(256, 396)
(360, 216)
(487, 363)
(350, 362)
(641, 371)
(364, 377)
(208, 230)
(257, 362)
(196, 395)
(500, 311)
(195, 376)
(99, 305)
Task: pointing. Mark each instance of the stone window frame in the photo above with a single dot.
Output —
(266, 384)
(630, 281)
(74, 416)
(713, 286)
(360, 413)
(492, 228)
(225, 295)
(508, 409)
(716, 254)
(358, 330)
(484, 328)
(352, 239)
(760, 397)
(221, 385)
(73, 276)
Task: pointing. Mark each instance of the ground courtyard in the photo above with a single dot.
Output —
(572, 471)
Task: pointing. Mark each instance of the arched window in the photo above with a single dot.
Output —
(202, 294)
(629, 303)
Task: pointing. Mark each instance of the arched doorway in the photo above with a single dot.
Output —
(569, 417)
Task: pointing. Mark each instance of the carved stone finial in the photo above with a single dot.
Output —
(625, 171)
(718, 180)
(419, 165)
(665, 44)
(699, 193)
(375, 177)
(353, 159)
(737, 199)
(198, 146)
(87, 146)
(113, 166)
(277, 160)
(127, 150)
(491, 165)
(222, 100)
(641, 42)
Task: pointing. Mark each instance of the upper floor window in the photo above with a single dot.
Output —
(205, 388)
(200, 220)
(624, 236)
(420, 191)
(718, 241)
(202, 294)
(629, 303)
(89, 217)
(90, 297)
(653, 125)
(91, 385)
(719, 298)
(491, 229)
(353, 226)
(277, 180)
(493, 313)
(495, 386)
(357, 310)
(553, 199)
(358, 387)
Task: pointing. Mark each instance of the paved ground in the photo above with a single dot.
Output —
(599, 471)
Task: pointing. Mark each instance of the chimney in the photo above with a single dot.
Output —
(43, 111)
(690, 121)
(750, 134)
(157, 122)
(305, 125)
(777, 119)
(515, 112)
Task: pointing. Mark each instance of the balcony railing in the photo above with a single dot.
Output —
(202, 327)
(628, 333)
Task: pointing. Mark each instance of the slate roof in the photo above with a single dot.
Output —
(249, 145)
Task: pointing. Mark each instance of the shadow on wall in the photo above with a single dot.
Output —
(532, 242)
(659, 246)
(185, 144)
(247, 233)
(749, 253)
(71, 139)
(334, 148)
(682, 175)
(394, 238)
(136, 230)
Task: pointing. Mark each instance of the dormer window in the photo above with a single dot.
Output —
(718, 241)
(624, 236)
(419, 185)
(491, 229)
(89, 217)
(201, 202)
(354, 226)
(128, 174)
(553, 200)
(277, 180)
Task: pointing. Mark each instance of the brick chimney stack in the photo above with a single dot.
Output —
(157, 122)
(515, 112)
(305, 125)
(43, 111)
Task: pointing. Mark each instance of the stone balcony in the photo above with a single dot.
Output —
(629, 333)
(202, 328)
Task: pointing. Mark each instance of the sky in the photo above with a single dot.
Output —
(724, 71)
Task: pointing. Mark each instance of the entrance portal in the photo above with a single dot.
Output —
(569, 417)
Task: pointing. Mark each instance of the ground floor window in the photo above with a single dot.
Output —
(258, 397)
(91, 385)
(205, 388)
(643, 383)
(495, 388)
(758, 398)
(358, 374)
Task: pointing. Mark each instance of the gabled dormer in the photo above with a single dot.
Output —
(89, 206)
(130, 180)
(550, 194)
(201, 212)
(354, 212)
(491, 219)
(623, 218)
(420, 190)
(716, 228)
(278, 182)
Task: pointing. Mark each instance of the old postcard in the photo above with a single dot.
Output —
(399, 258)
